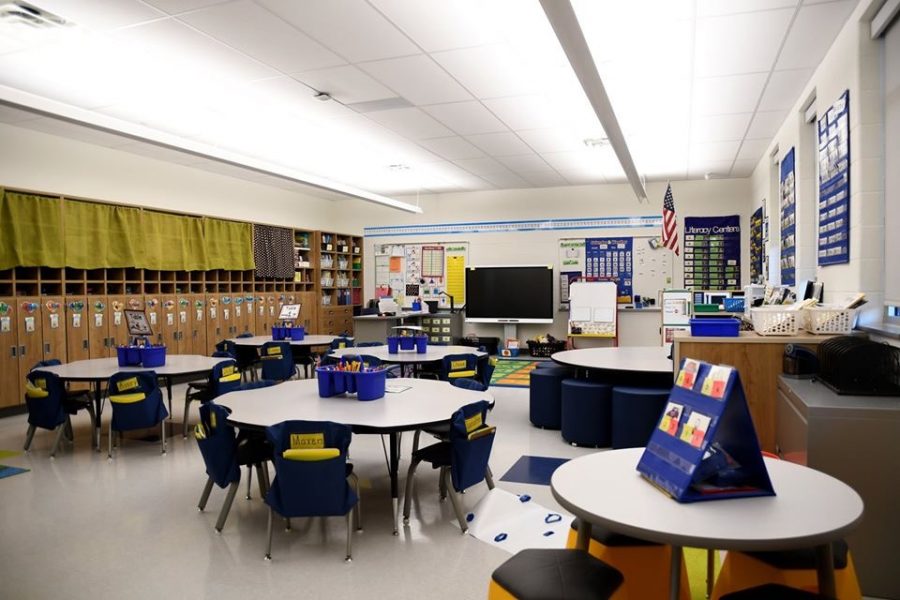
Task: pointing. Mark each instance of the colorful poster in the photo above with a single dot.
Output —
(610, 259)
(756, 246)
(834, 184)
(788, 220)
(712, 253)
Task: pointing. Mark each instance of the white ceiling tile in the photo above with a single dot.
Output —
(351, 28)
(784, 89)
(713, 151)
(439, 25)
(717, 169)
(418, 79)
(743, 168)
(582, 176)
(765, 124)
(524, 112)
(75, 132)
(812, 34)
(481, 166)
(174, 7)
(753, 149)
(713, 8)
(741, 43)
(102, 16)
(466, 117)
(725, 95)
(258, 33)
(551, 140)
(346, 84)
(545, 178)
(500, 144)
(584, 159)
(410, 122)
(506, 181)
(455, 175)
(719, 128)
(524, 163)
(452, 148)
(10, 114)
(490, 71)
(293, 97)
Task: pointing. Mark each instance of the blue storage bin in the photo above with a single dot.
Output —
(407, 342)
(297, 333)
(716, 327)
(153, 356)
(278, 333)
(421, 344)
(129, 356)
(393, 343)
(325, 377)
(370, 384)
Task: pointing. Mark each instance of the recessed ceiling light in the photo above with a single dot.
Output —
(398, 167)
(708, 176)
(596, 142)
(23, 13)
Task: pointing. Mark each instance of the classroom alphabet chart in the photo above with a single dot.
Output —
(834, 183)
(788, 220)
(756, 246)
(611, 259)
(712, 253)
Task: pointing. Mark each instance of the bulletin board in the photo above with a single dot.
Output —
(788, 220)
(712, 253)
(834, 183)
(651, 266)
(400, 269)
(756, 246)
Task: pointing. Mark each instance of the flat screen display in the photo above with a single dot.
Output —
(509, 294)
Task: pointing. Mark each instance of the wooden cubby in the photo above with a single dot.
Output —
(339, 283)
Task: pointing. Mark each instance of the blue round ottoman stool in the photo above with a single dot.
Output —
(586, 412)
(635, 412)
(544, 400)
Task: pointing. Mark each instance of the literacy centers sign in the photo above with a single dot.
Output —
(712, 253)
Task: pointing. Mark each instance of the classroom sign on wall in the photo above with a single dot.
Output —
(712, 253)
(611, 259)
(834, 183)
(788, 220)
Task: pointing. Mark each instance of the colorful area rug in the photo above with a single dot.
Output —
(513, 373)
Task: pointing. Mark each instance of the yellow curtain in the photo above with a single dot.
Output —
(173, 243)
(30, 230)
(102, 235)
(229, 244)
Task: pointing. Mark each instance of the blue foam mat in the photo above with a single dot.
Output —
(533, 469)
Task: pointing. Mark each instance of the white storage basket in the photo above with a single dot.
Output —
(822, 320)
(776, 320)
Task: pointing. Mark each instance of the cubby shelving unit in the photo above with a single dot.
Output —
(339, 287)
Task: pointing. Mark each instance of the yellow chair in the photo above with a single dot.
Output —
(644, 565)
(792, 568)
(555, 574)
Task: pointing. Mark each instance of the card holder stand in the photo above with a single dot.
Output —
(704, 446)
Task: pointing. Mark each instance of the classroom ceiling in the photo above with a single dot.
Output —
(422, 95)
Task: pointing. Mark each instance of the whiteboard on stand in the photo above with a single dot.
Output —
(592, 309)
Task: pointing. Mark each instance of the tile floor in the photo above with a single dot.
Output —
(80, 526)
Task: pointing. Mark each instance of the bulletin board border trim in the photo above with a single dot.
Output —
(523, 226)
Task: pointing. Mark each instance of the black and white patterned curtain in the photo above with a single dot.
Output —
(273, 251)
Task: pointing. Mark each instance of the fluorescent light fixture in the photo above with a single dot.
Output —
(140, 132)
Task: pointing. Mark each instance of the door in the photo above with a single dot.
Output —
(153, 308)
(98, 326)
(168, 323)
(227, 314)
(10, 394)
(118, 326)
(77, 342)
(53, 328)
(213, 323)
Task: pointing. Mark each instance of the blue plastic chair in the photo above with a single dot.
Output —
(312, 475)
(225, 377)
(277, 361)
(50, 407)
(224, 454)
(369, 344)
(463, 459)
(137, 403)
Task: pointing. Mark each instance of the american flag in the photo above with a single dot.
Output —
(670, 222)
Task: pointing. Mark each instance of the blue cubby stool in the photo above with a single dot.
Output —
(635, 412)
(544, 399)
(586, 413)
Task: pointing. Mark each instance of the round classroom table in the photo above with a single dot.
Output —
(408, 357)
(418, 403)
(810, 509)
(98, 370)
(644, 359)
(309, 340)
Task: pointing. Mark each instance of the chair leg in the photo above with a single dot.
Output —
(489, 477)
(454, 500)
(249, 479)
(184, 425)
(265, 472)
(416, 440)
(407, 497)
(349, 536)
(287, 524)
(260, 480)
(70, 433)
(162, 430)
(204, 497)
(226, 507)
(358, 508)
(110, 439)
(710, 571)
(29, 436)
(60, 431)
(442, 483)
(90, 409)
(269, 546)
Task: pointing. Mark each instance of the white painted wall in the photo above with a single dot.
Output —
(37, 161)
(852, 63)
(692, 198)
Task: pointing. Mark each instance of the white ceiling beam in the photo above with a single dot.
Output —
(568, 31)
(884, 18)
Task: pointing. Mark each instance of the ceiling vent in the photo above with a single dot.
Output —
(23, 13)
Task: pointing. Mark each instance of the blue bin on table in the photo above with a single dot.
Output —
(278, 333)
(370, 384)
(421, 344)
(393, 343)
(129, 356)
(716, 327)
(297, 333)
(153, 356)
(407, 342)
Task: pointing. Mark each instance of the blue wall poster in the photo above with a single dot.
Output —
(712, 253)
(834, 183)
(756, 246)
(788, 220)
(610, 259)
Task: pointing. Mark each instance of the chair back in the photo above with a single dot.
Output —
(310, 469)
(277, 361)
(471, 440)
(50, 362)
(228, 347)
(225, 377)
(487, 371)
(218, 444)
(136, 400)
(468, 384)
(44, 393)
(460, 365)
(341, 342)
(246, 334)
(369, 344)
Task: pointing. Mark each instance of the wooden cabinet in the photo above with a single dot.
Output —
(340, 281)
(227, 309)
(9, 353)
(243, 314)
(213, 323)
(336, 320)
(170, 326)
(153, 309)
(77, 342)
(118, 326)
(194, 336)
(97, 325)
(53, 328)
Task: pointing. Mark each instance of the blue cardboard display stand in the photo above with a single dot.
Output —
(705, 446)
